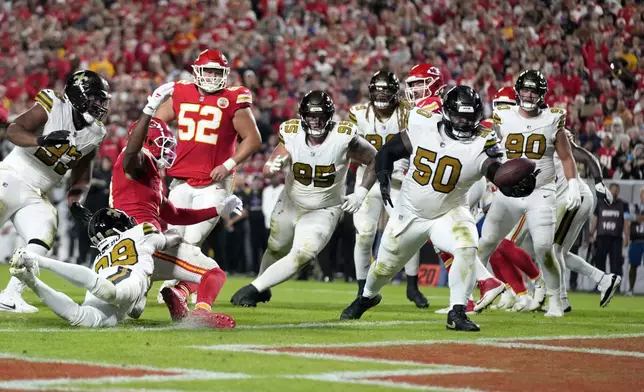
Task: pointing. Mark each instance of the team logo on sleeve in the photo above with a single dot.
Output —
(223, 103)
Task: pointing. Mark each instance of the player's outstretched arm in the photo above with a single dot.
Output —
(279, 157)
(246, 127)
(80, 178)
(592, 163)
(398, 147)
(165, 112)
(489, 162)
(132, 155)
(361, 151)
(188, 216)
(23, 132)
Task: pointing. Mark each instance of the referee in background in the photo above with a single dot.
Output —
(610, 232)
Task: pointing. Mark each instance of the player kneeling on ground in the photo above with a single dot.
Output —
(119, 280)
(449, 153)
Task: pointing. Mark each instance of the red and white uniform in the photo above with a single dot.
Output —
(430, 104)
(206, 139)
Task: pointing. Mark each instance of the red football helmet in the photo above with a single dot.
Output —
(505, 96)
(432, 82)
(205, 70)
(160, 143)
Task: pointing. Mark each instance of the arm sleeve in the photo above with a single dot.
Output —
(392, 151)
(185, 216)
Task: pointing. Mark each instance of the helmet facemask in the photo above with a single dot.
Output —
(211, 77)
(165, 148)
(97, 108)
(420, 89)
(462, 125)
(529, 99)
(382, 96)
(316, 125)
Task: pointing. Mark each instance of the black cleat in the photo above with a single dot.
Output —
(264, 296)
(247, 296)
(418, 298)
(361, 283)
(457, 320)
(359, 306)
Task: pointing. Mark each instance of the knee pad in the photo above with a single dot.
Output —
(303, 256)
(465, 253)
(386, 268)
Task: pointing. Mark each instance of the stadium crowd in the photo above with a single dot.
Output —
(590, 51)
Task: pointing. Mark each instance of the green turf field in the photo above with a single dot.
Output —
(39, 351)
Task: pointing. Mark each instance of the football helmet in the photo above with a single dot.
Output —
(505, 96)
(462, 112)
(532, 83)
(108, 222)
(160, 143)
(383, 89)
(316, 112)
(205, 70)
(89, 94)
(424, 80)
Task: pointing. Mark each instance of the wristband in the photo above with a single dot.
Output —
(230, 164)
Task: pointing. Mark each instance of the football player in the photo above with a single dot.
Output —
(424, 87)
(449, 153)
(534, 133)
(210, 117)
(311, 204)
(377, 122)
(120, 276)
(61, 132)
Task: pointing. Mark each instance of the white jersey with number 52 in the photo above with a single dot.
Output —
(43, 167)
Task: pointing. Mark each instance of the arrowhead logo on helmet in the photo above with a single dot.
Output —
(424, 80)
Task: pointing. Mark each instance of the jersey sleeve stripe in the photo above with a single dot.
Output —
(241, 98)
(353, 118)
(281, 138)
(496, 119)
(44, 100)
(490, 143)
(149, 229)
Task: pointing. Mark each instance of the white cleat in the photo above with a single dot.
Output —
(540, 291)
(608, 286)
(524, 303)
(138, 308)
(167, 283)
(555, 308)
(508, 298)
(12, 302)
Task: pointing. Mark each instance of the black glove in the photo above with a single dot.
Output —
(384, 178)
(522, 188)
(80, 213)
(53, 138)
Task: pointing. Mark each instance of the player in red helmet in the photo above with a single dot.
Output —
(424, 86)
(210, 117)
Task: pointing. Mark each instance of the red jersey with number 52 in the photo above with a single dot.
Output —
(206, 136)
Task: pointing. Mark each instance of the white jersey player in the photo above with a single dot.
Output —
(377, 122)
(59, 133)
(534, 133)
(449, 154)
(313, 200)
(119, 279)
(570, 224)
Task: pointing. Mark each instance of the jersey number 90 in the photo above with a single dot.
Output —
(441, 182)
(533, 147)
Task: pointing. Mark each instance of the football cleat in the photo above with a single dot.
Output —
(608, 287)
(565, 305)
(524, 303)
(457, 320)
(469, 308)
(176, 301)
(360, 305)
(418, 298)
(490, 289)
(165, 284)
(138, 308)
(264, 296)
(12, 302)
(205, 318)
(555, 308)
(247, 297)
(540, 291)
(508, 298)
(361, 284)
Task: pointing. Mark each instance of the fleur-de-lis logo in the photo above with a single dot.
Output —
(79, 79)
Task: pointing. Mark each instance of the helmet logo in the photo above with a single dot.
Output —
(466, 109)
(79, 79)
(316, 109)
(222, 103)
(529, 83)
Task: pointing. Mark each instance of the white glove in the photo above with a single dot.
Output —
(603, 193)
(353, 201)
(277, 164)
(574, 197)
(230, 205)
(159, 96)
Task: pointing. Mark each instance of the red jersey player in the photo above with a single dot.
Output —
(137, 190)
(210, 117)
(424, 86)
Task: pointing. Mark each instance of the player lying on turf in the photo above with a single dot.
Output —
(449, 153)
(137, 190)
(120, 276)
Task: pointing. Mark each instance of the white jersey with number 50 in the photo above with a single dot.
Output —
(318, 173)
(442, 169)
(533, 138)
(43, 167)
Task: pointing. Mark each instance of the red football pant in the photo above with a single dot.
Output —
(208, 289)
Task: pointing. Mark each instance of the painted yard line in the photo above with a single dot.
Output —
(390, 384)
(431, 370)
(598, 351)
(344, 292)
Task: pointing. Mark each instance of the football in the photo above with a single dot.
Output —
(512, 171)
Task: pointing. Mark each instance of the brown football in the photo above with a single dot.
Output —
(513, 171)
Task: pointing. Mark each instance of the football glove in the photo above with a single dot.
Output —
(603, 193)
(573, 196)
(53, 138)
(159, 96)
(353, 201)
(523, 188)
(277, 164)
(384, 178)
(80, 213)
(230, 205)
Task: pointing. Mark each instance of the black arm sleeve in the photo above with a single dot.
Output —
(491, 170)
(392, 151)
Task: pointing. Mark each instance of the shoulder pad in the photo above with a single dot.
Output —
(289, 127)
(46, 99)
(359, 107)
(149, 228)
(243, 94)
(496, 119)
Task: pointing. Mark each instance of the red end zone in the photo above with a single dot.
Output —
(16, 369)
(545, 365)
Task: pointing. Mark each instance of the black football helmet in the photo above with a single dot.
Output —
(462, 112)
(535, 82)
(383, 89)
(89, 94)
(316, 112)
(108, 222)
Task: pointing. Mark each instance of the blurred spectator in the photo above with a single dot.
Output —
(636, 248)
(606, 153)
(610, 232)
